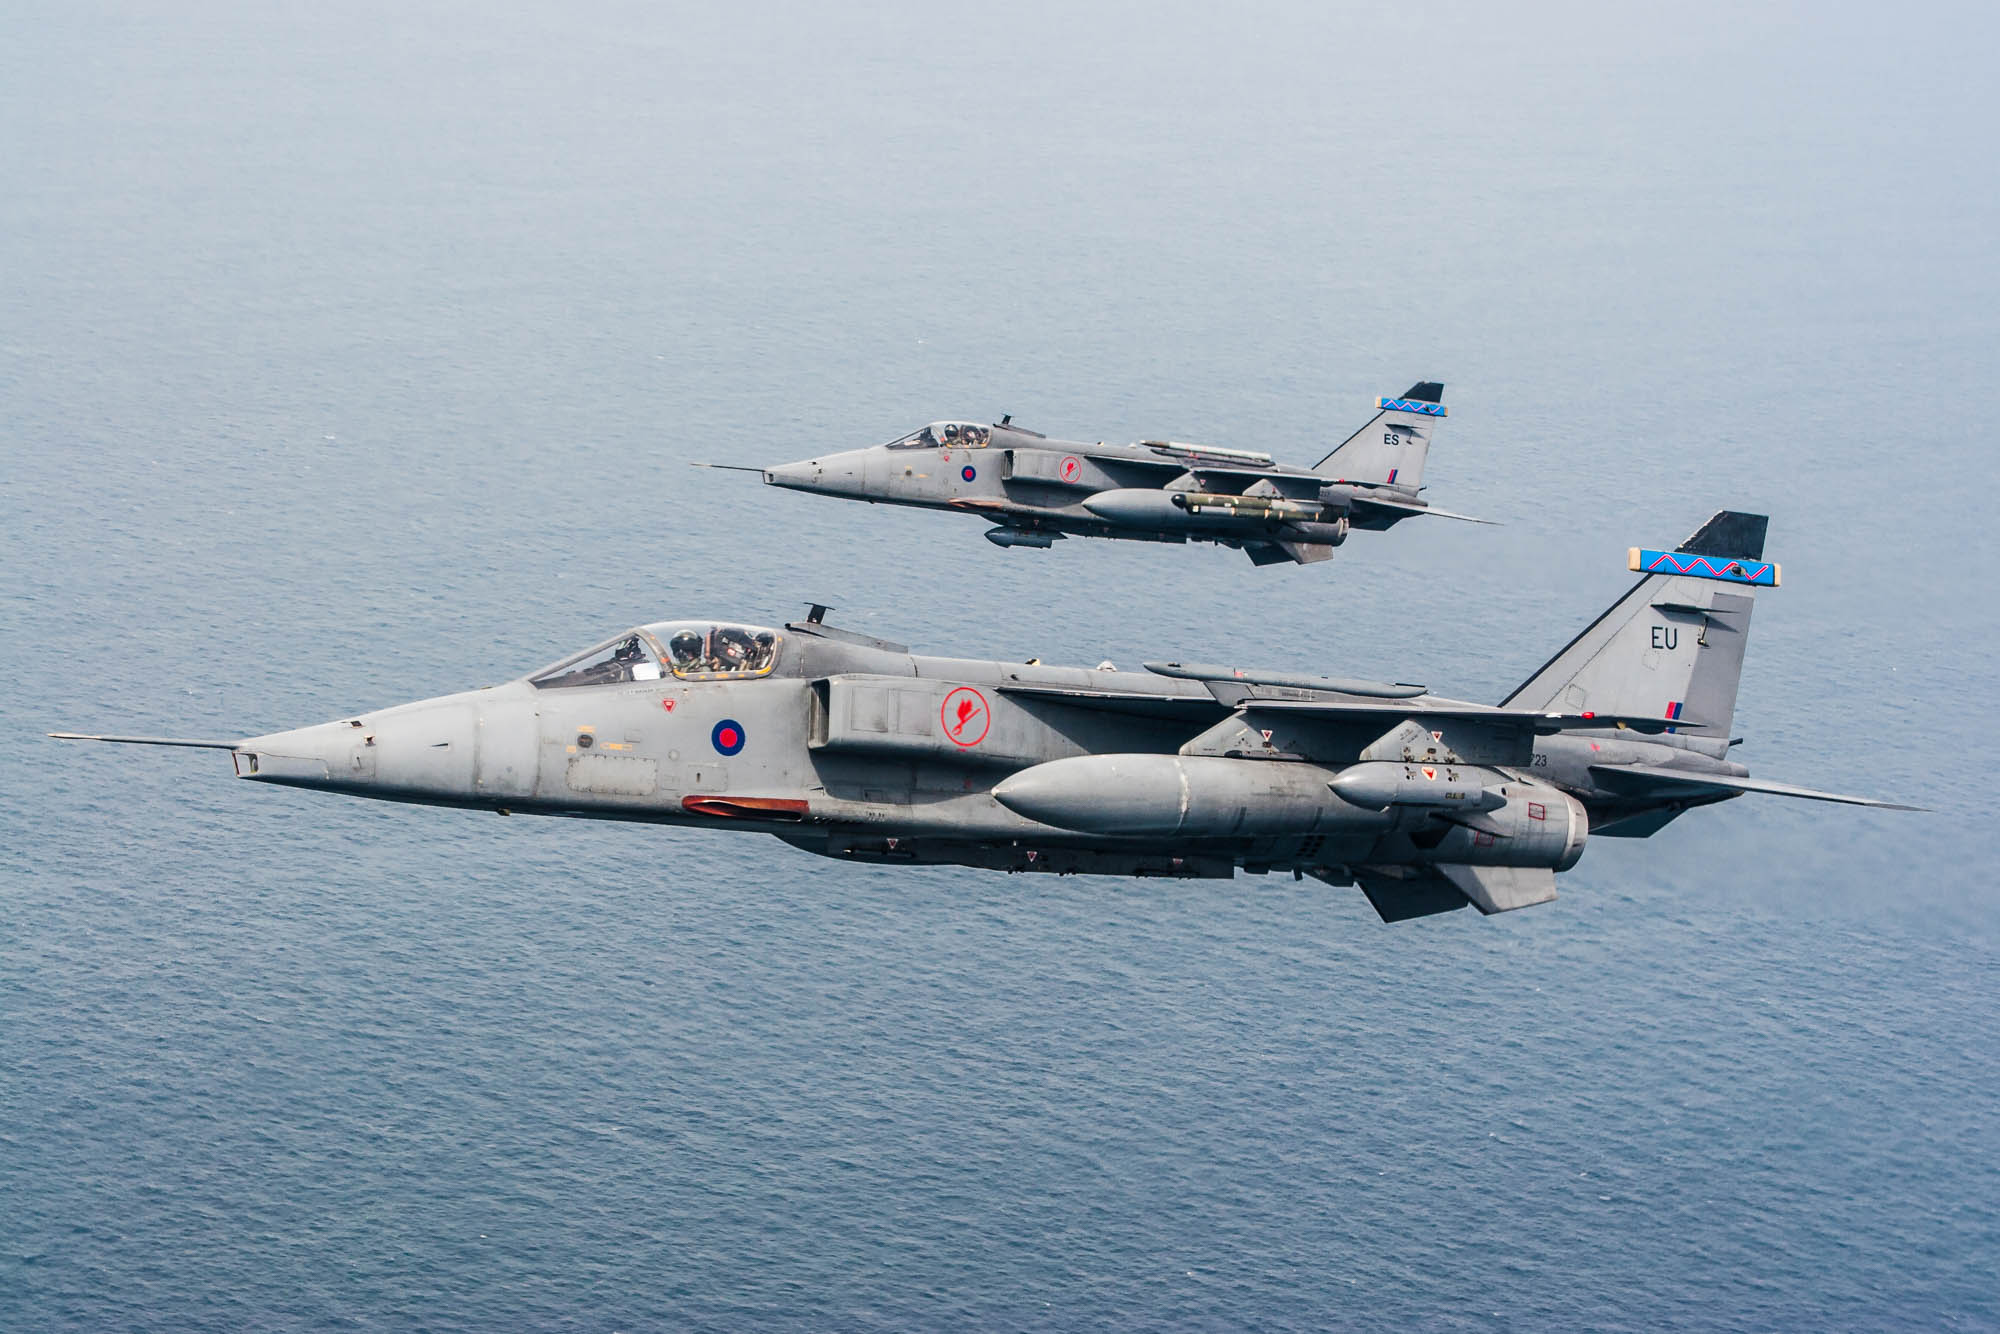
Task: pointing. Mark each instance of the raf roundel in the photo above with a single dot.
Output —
(727, 736)
(969, 473)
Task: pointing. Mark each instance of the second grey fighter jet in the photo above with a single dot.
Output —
(854, 748)
(1035, 490)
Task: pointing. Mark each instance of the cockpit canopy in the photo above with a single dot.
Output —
(946, 435)
(707, 651)
(689, 650)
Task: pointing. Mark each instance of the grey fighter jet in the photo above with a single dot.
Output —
(1035, 490)
(853, 748)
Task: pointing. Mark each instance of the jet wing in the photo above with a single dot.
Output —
(1654, 780)
(1166, 467)
(1180, 708)
(1343, 731)
(1544, 723)
(1292, 483)
(1246, 475)
(1304, 479)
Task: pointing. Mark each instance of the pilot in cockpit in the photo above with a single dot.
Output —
(731, 650)
(687, 650)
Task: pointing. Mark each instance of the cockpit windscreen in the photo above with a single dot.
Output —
(630, 657)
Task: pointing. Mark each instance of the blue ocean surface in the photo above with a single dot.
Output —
(353, 354)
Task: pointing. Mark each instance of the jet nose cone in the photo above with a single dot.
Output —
(319, 756)
(831, 474)
(801, 476)
(425, 749)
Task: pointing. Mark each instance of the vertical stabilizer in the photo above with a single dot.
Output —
(1390, 449)
(1672, 646)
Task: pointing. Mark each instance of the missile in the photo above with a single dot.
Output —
(1230, 509)
(1142, 507)
(1188, 795)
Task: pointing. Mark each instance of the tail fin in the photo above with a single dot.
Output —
(1390, 449)
(1673, 646)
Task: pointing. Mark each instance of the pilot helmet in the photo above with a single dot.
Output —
(686, 646)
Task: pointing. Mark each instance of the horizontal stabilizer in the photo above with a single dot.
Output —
(1652, 780)
(147, 740)
(1380, 503)
(1495, 889)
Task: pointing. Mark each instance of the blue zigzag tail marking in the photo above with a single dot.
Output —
(1763, 574)
(1410, 405)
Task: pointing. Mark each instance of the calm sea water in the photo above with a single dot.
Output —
(350, 355)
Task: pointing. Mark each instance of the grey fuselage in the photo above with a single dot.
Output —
(853, 747)
(856, 748)
(1017, 478)
(1035, 490)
